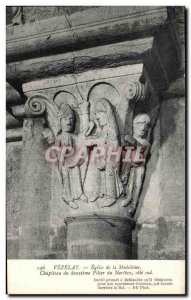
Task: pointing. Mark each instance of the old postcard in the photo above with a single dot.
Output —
(95, 127)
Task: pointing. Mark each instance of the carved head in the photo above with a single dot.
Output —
(104, 114)
(141, 125)
(101, 114)
(67, 118)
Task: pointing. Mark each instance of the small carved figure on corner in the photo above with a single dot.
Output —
(141, 135)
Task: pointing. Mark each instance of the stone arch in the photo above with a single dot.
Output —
(65, 97)
(103, 90)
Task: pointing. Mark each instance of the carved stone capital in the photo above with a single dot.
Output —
(105, 117)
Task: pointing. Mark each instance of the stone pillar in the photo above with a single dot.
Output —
(34, 197)
(99, 237)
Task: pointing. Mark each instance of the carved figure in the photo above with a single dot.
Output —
(106, 173)
(141, 130)
(72, 188)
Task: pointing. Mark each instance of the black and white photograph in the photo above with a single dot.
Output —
(95, 146)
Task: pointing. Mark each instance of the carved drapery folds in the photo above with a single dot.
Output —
(99, 137)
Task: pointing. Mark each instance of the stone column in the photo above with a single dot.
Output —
(34, 197)
(99, 237)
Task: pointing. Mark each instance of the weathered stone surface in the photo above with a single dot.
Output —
(35, 13)
(173, 156)
(14, 134)
(165, 176)
(18, 111)
(176, 89)
(76, 62)
(82, 29)
(13, 168)
(50, 86)
(12, 96)
(148, 50)
(179, 14)
(99, 237)
(11, 121)
(166, 165)
(34, 194)
(163, 238)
